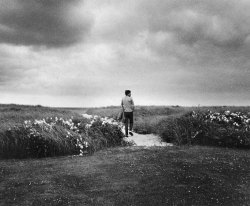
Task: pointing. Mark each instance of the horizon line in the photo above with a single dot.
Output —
(107, 106)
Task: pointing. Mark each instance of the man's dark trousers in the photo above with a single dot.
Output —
(128, 118)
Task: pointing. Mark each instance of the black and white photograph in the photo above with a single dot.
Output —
(124, 102)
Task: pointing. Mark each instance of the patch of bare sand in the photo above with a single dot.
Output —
(147, 140)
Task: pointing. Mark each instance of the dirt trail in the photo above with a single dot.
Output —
(147, 140)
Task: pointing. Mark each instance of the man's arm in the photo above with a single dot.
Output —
(132, 104)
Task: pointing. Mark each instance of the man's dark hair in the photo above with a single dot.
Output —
(127, 92)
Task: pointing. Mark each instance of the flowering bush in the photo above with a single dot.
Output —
(237, 119)
(57, 136)
(225, 129)
(230, 129)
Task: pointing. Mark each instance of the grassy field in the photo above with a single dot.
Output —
(151, 111)
(130, 176)
(12, 114)
(148, 117)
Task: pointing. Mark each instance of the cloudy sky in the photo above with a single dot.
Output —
(87, 52)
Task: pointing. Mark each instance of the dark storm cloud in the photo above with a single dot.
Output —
(42, 22)
(166, 51)
(201, 29)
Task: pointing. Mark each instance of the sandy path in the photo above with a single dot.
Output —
(146, 140)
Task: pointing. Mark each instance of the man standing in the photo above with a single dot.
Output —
(128, 109)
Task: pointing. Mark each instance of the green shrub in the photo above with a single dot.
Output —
(220, 129)
(56, 136)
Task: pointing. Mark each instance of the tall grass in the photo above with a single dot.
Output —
(227, 129)
(36, 131)
(51, 137)
(18, 143)
(13, 114)
(176, 125)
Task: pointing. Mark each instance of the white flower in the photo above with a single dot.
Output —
(86, 144)
(236, 124)
(87, 116)
(87, 125)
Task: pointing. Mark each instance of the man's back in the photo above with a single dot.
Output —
(127, 104)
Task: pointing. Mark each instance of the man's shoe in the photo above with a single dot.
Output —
(131, 133)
